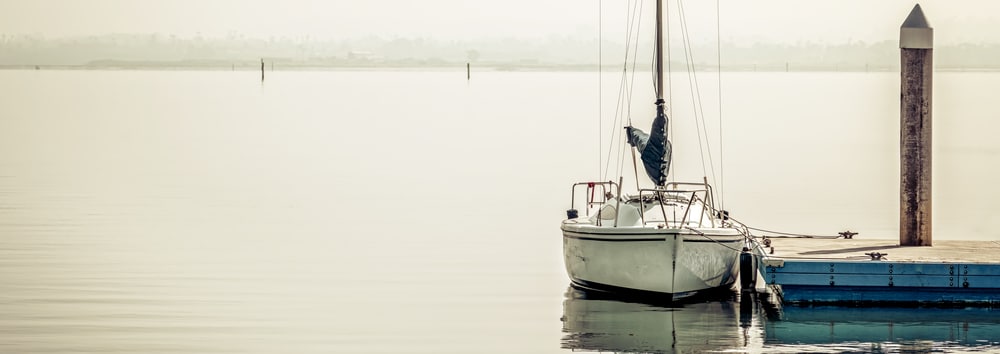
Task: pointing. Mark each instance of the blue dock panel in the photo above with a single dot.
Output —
(841, 281)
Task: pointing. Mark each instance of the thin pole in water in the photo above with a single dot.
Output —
(261, 69)
(468, 71)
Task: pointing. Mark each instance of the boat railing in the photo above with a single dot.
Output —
(592, 198)
(702, 192)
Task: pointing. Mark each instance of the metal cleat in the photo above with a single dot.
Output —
(848, 234)
(876, 256)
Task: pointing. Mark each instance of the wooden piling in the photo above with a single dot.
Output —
(261, 69)
(916, 42)
(468, 71)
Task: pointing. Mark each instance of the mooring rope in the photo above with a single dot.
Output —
(785, 234)
(796, 235)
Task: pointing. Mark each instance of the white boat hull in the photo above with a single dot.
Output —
(674, 263)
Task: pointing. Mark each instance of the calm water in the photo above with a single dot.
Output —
(205, 212)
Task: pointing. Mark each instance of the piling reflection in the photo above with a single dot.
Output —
(595, 322)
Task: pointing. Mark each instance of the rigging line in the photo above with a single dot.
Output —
(691, 80)
(611, 146)
(619, 110)
(652, 70)
(635, 56)
(631, 90)
(701, 106)
(637, 25)
(625, 94)
(670, 96)
(700, 116)
(617, 115)
(633, 27)
(718, 52)
(696, 101)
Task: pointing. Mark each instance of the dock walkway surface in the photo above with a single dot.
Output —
(855, 249)
(844, 271)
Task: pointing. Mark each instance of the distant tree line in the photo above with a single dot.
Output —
(156, 50)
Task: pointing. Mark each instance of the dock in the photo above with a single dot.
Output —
(879, 271)
(914, 270)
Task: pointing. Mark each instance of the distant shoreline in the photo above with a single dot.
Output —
(285, 66)
(152, 51)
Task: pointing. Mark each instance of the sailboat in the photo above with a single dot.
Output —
(669, 241)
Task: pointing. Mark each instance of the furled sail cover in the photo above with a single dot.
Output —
(655, 148)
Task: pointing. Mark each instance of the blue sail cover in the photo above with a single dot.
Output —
(655, 148)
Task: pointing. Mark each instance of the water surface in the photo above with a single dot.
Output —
(403, 211)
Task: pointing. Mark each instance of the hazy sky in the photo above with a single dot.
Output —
(789, 21)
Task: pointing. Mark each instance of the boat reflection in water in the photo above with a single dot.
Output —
(593, 321)
(906, 329)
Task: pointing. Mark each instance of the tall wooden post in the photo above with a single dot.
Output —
(916, 43)
(261, 69)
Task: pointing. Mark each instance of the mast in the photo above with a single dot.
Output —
(659, 54)
(654, 147)
(660, 123)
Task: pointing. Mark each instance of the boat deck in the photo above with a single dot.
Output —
(856, 249)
